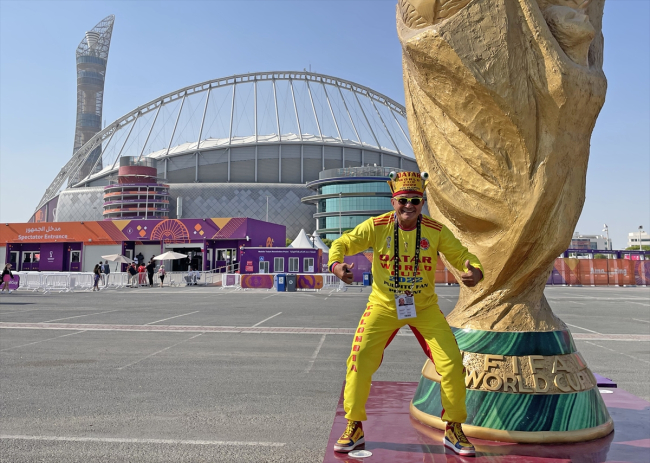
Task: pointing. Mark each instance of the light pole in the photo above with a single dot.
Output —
(340, 232)
(640, 230)
(608, 246)
(267, 208)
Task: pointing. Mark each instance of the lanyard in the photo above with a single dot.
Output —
(397, 259)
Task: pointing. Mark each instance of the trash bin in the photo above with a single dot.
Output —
(292, 280)
(281, 282)
(367, 279)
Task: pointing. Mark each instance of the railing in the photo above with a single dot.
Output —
(230, 268)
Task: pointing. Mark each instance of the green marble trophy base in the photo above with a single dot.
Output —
(523, 387)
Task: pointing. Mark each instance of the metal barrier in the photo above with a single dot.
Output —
(330, 280)
(82, 281)
(30, 281)
(117, 280)
(57, 282)
(175, 278)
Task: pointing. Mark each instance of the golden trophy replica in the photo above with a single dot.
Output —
(502, 97)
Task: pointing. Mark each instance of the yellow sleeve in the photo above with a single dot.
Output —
(455, 253)
(352, 242)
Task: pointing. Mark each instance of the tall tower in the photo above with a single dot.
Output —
(92, 57)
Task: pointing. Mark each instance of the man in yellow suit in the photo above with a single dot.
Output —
(406, 246)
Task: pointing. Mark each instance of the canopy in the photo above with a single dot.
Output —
(319, 243)
(170, 255)
(302, 241)
(118, 258)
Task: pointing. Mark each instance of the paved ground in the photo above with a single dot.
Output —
(203, 374)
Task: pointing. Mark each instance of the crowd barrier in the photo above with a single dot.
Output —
(566, 272)
(304, 281)
(583, 272)
(599, 272)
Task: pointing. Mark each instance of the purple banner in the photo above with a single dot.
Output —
(52, 255)
(15, 283)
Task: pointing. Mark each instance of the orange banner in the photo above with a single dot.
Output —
(89, 233)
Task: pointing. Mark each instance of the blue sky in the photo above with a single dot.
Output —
(158, 47)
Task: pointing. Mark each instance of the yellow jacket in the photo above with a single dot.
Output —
(378, 233)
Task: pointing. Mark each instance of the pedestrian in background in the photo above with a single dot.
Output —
(141, 274)
(6, 276)
(150, 269)
(97, 271)
(133, 275)
(107, 272)
(161, 274)
(101, 271)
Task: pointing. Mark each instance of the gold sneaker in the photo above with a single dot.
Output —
(351, 438)
(455, 440)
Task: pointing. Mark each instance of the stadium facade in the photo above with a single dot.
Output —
(240, 146)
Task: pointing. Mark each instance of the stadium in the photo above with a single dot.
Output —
(238, 146)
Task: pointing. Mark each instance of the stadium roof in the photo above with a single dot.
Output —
(257, 108)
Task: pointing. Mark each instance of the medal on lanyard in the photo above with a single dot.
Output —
(405, 301)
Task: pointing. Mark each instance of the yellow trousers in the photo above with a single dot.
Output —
(377, 328)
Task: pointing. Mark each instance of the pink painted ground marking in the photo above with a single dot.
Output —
(394, 437)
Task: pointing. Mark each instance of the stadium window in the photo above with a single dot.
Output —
(293, 264)
(308, 265)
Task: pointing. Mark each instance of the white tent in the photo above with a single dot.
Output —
(170, 255)
(319, 243)
(302, 241)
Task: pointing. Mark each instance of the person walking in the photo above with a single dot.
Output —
(150, 269)
(161, 274)
(101, 272)
(405, 245)
(107, 272)
(6, 277)
(133, 275)
(141, 274)
(98, 273)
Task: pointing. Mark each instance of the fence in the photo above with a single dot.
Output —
(68, 281)
(583, 272)
(600, 272)
(566, 272)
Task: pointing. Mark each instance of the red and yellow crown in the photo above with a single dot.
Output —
(402, 183)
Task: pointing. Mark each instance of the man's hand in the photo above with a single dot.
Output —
(472, 276)
(343, 272)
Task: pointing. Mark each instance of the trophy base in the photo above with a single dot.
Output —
(522, 387)
(561, 431)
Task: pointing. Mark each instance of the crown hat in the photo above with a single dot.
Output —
(402, 183)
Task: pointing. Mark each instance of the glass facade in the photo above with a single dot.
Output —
(367, 203)
(347, 222)
(356, 193)
(365, 187)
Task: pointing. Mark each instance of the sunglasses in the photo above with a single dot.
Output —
(414, 201)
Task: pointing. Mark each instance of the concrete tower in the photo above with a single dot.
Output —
(92, 57)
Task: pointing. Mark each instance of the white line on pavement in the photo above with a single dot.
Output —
(266, 319)
(640, 303)
(617, 352)
(575, 326)
(18, 311)
(165, 319)
(315, 354)
(78, 316)
(42, 340)
(158, 352)
(638, 320)
(121, 440)
(269, 296)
